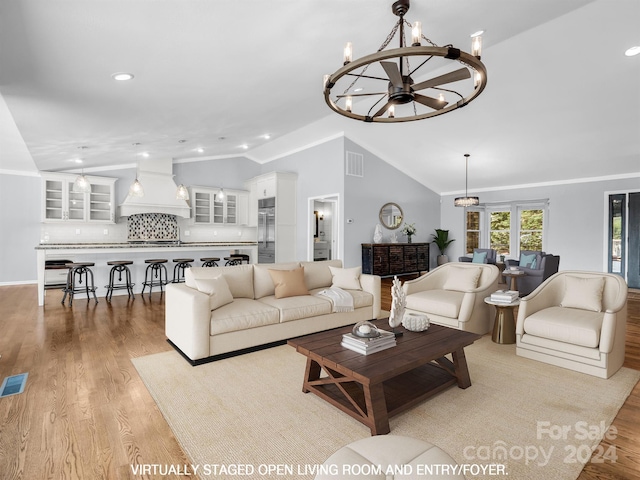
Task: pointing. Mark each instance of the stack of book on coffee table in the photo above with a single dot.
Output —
(504, 296)
(369, 345)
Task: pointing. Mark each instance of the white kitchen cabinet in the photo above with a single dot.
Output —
(61, 204)
(208, 208)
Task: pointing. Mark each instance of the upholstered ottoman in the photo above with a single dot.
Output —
(389, 457)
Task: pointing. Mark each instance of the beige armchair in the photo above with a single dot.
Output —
(575, 320)
(453, 295)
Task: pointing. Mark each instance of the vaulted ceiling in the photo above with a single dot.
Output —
(562, 100)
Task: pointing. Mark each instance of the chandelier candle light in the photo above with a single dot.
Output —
(383, 82)
(466, 201)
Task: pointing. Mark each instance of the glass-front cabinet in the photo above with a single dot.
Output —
(60, 203)
(210, 207)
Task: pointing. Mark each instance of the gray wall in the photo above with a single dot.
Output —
(384, 183)
(320, 172)
(576, 225)
(20, 219)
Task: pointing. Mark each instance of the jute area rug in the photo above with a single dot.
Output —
(246, 417)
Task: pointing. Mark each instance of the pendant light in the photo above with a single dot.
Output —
(221, 194)
(136, 190)
(466, 201)
(182, 193)
(82, 184)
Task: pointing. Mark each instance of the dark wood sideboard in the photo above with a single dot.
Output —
(387, 259)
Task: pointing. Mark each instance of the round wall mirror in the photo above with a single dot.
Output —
(391, 216)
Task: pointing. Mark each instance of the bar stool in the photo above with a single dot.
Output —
(236, 259)
(179, 268)
(119, 266)
(79, 271)
(210, 261)
(155, 270)
(233, 260)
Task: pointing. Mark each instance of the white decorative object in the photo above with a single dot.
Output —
(377, 234)
(394, 238)
(398, 303)
(415, 322)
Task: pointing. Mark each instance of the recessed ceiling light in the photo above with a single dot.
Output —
(200, 150)
(359, 89)
(75, 160)
(182, 141)
(266, 136)
(122, 76)
(632, 51)
(145, 154)
(245, 146)
(477, 34)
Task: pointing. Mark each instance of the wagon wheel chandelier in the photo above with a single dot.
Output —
(380, 88)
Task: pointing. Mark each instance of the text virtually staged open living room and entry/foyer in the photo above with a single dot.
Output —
(320, 240)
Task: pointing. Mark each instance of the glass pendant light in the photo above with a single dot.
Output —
(81, 184)
(182, 193)
(136, 190)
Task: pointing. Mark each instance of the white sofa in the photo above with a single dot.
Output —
(575, 320)
(453, 295)
(255, 317)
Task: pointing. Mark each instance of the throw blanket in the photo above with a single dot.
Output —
(341, 300)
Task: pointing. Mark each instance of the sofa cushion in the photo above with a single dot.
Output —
(584, 293)
(217, 289)
(462, 279)
(318, 274)
(295, 308)
(568, 325)
(346, 278)
(241, 314)
(289, 283)
(445, 303)
(262, 281)
(238, 277)
(361, 298)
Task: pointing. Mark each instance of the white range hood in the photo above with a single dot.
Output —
(156, 178)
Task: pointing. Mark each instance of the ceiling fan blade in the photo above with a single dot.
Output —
(361, 94)
(383, 109)
(450, 77)
(393, 73)
(434, 103)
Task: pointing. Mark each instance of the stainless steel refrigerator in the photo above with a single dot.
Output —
(267, 230)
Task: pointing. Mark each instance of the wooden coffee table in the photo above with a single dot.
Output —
(372, 388)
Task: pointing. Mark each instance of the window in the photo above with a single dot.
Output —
(507, 228)
(531, 227)
(500, 232)
(473, 231)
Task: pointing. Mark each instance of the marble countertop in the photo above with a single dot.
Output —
(68, 246)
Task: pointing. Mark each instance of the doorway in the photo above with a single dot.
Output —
(623, 234)
(324, 228)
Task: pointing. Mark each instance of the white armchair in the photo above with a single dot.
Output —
(575, 320)
(453, 295)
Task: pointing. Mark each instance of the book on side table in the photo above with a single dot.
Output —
(504, 296)
(369, 345)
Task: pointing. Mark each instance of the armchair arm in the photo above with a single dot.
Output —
(429, 281)
(371, 284)
(188, 320)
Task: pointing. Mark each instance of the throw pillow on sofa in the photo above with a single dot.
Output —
(347, 278)
(462, 279)
(289, 283)
(217, 289)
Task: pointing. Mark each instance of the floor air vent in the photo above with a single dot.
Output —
(13, 385)
(355, 164)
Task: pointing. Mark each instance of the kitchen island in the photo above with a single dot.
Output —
(101, 253)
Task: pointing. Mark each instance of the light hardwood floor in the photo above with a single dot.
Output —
(86, 414)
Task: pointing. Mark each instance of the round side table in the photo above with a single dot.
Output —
(513, 275)
(504, 326)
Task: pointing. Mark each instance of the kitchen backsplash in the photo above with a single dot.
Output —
(152, 226)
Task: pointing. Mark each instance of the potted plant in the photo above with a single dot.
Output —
(409, 230)
(441, 239)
